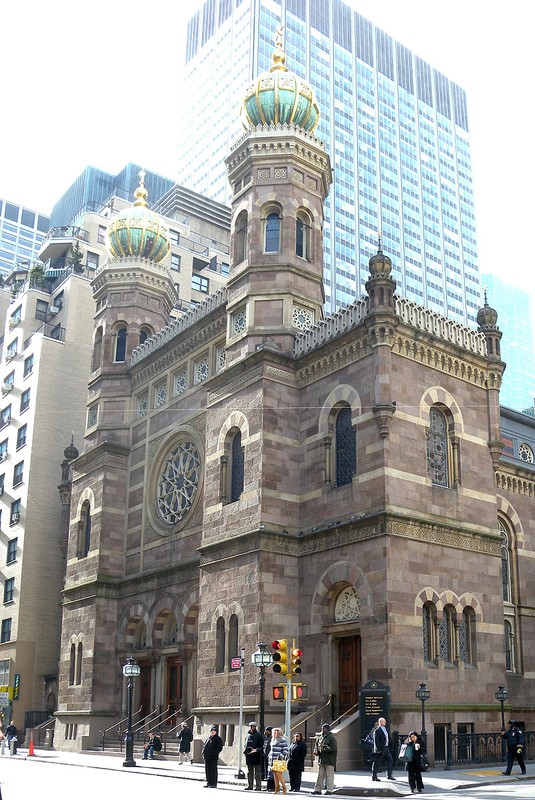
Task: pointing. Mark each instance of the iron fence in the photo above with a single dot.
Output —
(463, 749)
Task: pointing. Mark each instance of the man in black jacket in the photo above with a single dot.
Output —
(515, 747)
(212, 747)
(381, 749)
(254, 745)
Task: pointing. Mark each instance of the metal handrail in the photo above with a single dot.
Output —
(345, 714)
(115, 725)
(165, 734)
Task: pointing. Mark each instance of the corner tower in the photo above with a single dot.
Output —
(280, 175)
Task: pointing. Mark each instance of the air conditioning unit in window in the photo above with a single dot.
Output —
(10, 355)
(53, 310)
(3, 455)
(7, 387)
(13, 323)
(15, 517)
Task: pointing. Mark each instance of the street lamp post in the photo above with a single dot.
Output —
(261, 659)
(501, 696)
(131, 670)
(423, 694)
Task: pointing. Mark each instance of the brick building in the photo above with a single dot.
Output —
(257, 471)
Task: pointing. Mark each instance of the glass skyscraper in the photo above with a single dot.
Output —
(396, 130)
(21, 234)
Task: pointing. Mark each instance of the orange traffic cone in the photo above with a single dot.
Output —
(31, 751)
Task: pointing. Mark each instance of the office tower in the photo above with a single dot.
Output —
(396, 130)
(93, 187)
(21, 234)
(515, 310)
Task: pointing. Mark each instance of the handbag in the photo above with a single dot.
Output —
(279, 765)
(406, 752)
(424, 762)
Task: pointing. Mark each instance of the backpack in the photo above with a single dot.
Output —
(369, 739)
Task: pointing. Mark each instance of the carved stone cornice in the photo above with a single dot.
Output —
(331, 358)
(249, 542)
(515, 480)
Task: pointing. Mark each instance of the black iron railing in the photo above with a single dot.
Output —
(481, 748)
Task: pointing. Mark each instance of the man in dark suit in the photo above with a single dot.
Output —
(212, 747)
(381, 750)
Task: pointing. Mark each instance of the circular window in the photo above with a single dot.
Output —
(525, 453)
(347, 605)
(302, 318)
(178, 482)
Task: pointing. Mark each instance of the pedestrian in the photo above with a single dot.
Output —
(278, 755)
(414, 766)
(325, 749)
(11, 735)
(296, 762)
(212, 747)
(381, 750)
(185, 738)
(254, 751)
(152, 745)
(515, 747)
(267, 772)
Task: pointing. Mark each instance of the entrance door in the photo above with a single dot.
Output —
(144, 689)
(349, 672)
(174, 687)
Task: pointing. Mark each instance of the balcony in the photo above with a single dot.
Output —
(58, 241)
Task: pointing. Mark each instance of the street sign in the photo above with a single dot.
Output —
(4, 699)
(16, 687)
(235, 663)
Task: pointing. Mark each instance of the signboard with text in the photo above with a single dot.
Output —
(374, 703)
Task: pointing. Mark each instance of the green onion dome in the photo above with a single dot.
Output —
(279, 96)
(137, 231)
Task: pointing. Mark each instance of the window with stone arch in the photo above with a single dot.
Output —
(72, 664)
(508, 592)
(232, 467)
(429, 625)
(272, 229)
(79, 657)
(233, 641)
(121, 335)
(345, 447)
(347, 606)
(509, 645)
(241, 237)
(467, 637)
(447, 635)
(84, 530)
(302, 235)
(97, 350)
(220, 645)
(506, 558)
(144, 334)
(442, 448)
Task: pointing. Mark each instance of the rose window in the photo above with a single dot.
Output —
(302, 318)
(179, 482)
(347, 605)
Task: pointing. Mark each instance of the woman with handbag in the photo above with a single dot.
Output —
(296, 762)
(414, 766)
(278, 756)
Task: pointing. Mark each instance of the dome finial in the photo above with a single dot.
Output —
(379, 242)
(141, 192)
(279, 56)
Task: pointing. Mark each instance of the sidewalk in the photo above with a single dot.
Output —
(347, 784)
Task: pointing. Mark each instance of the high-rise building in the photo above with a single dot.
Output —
(94, 187)
(396, 128)
(515, 311)
(21, 234)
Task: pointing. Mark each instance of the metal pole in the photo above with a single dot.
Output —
(424, 732)
(288, 708)
(129, 749)
(241, 774)
(262, 682)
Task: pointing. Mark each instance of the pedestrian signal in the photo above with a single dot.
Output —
(280, 656)
(299, 691)
(296, 661)
(279, 693)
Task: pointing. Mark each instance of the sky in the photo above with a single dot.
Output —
(100, 84)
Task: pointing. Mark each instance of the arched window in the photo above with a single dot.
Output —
(233, 636)
(429, 616)
(509, 646)
(97, 350)
(144, 334)
(236, 469)
(220, 645)
(443, 460)
(446, 633)
(467, 637)
(345, 448)
(241, 237)
(84, 543)
(120, 344)
(72, 664)
(302, 235)
(508, 594)
(505, 550)
(272, 232)
(79, 655)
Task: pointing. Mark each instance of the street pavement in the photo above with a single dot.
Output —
(347, 784)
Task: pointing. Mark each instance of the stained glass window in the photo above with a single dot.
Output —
(272, 233)
(237, 466)
(437, 448)
(179, 482)
(346, 448)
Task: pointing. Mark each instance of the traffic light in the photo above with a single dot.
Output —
(280, 656)
(296, 661)
(279, 693)
(299, 691)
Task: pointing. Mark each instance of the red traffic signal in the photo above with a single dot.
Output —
(280, 656)
(296, 661)
(299, 691)
(279, 693)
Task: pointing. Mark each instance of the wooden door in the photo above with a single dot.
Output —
(174, 687)
(349, 672)
(144, 690)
